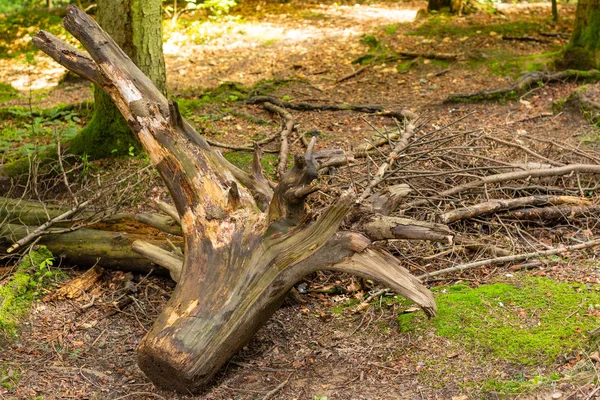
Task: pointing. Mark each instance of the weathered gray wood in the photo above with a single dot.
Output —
(245, 244)
(86, 247)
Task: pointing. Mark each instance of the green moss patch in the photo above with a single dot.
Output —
(530, 322)
(23, 287)
(518, 386)
(503, 64)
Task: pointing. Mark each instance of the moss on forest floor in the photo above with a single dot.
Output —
(502, 63)
(526, 322)
(25, 285)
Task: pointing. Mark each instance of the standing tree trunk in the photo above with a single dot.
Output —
(245, 244)
(453, 6)
(136, 26)
(583, 51)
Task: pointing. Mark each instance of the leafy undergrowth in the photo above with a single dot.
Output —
(18, 28)
(26, 284)
(7, 92)
(25, 131)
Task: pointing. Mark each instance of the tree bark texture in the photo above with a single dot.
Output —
(453, 6)
(245, 244)
(87, 247)
(136, 27)
(583, 51)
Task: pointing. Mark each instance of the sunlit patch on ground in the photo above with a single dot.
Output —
(309, 36)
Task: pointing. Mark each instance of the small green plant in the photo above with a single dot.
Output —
(391, 29)
(216, 7)
(9, 376)
(372, 41)
(403, 68)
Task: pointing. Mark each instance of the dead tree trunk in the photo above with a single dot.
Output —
(245, 244)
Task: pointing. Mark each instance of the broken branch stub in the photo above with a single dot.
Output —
(240, 256)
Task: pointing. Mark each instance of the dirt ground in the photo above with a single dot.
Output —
(85, 348)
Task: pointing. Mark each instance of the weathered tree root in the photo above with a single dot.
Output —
(524, 83)
(245, 243)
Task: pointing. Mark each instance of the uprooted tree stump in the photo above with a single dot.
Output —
(245, 244)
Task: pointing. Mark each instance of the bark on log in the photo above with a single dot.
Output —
(552, 213)
(379, 227)
(28, 212)
(87, 247)
(507, 204)
(239, 261)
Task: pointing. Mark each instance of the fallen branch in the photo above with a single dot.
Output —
(352, 74)
(160, 256)
(163, 223)
(525, 82)
(379, 227)
(388, 200)
(552, 213)
(42, 229)
(517, 257)
(368, 109)
(509, 176)
(273, 392)
(88, 247)
(507, 204)
(525, 149)
(168, 209)
(389, 163)
(284, 149)
(429, 55)
(525, 39)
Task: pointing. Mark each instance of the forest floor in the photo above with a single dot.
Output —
(299, 51)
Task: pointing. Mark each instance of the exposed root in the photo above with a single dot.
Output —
(524, 83)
